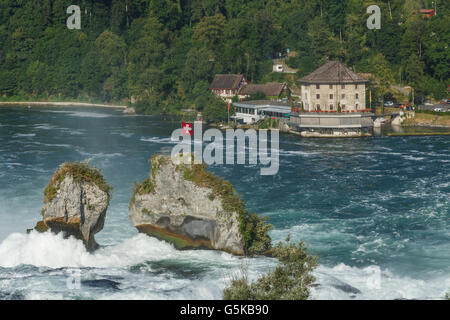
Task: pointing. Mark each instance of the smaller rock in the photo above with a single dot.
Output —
(76, 200)
(129, 110)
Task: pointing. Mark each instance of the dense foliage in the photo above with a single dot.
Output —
(164, 53)
(290, 280)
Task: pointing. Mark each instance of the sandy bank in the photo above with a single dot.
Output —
(59, 104)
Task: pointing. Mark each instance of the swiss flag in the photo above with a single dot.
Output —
(229, 107)
(187, 128)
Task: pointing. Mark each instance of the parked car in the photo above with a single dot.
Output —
(444, 101)
(438, 110)
(388, 104)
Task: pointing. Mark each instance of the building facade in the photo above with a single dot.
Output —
(332, 86)
(226, 86)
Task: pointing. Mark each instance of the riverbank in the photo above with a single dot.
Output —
(59, 104)
(398, 134)
(428, 120)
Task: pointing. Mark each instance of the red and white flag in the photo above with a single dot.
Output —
(187, 128)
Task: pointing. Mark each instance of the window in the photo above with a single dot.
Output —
(331, 86)
(357, 106)
(317, 96)
(343, 107)
(331, 96)
(318, 107)
(343, 86)
(317, 86)
(356, 86)
(357, 96)
(343, 96)
(331, 107)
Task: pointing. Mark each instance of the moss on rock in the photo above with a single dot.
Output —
(80, 172)
(254, 229)
(41, 226)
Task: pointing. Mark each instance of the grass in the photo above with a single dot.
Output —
(80, 172)
(445, 114)
(429, 118)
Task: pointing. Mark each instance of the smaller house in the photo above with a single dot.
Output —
(271, 89)
(227, 86)
(278, 68)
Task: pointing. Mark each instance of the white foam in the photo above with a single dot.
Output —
(50, 250)
(159, 140)
(337, 282)
(87, 114)
(81, 114)
(375, 283)
(24, 135)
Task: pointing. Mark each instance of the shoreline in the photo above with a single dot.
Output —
(60, 104)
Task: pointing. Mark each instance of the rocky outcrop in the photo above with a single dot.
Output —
(76, 200)
(398, 120)
(129, 110)
(191, 208)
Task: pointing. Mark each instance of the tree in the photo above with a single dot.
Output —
(209, 32)
(413, 38)
(436, 43)
(290, 280)
(322, 42)
(414, 72)
(199, 66)
(383, 75)
(112, 58)
(215, 110)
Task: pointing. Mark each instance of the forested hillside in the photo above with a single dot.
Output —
(164, 53)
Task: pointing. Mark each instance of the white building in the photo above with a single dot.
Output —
(331, 86)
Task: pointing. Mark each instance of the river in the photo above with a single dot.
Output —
(376, 211)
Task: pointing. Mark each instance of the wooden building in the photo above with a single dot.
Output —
(271, 89)
(227, 86)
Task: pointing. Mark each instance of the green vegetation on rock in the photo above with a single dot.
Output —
(81, 172)
(41, 227)
(254, 229)
(268, 123)
(148, 184)
(290, 280)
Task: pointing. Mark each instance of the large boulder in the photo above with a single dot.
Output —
(75, 203)
(191, 208)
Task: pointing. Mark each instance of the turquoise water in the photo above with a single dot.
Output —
(376, 211)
